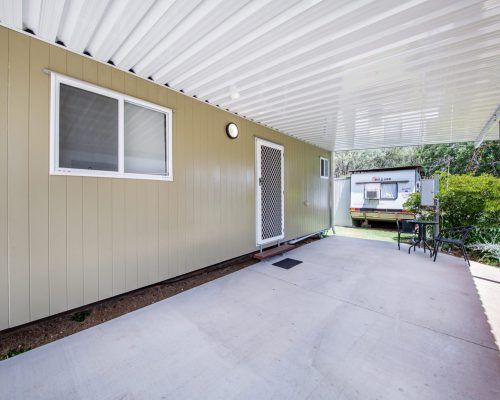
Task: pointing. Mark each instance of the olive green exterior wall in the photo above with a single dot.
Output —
(69, 241)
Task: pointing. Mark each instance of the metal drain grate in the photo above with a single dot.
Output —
(287, 263)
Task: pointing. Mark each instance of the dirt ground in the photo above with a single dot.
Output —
(26, 337)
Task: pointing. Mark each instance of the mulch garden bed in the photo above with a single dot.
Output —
(34, 334)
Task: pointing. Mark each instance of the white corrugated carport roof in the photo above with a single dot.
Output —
(341, 74)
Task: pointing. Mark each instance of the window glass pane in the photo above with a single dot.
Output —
(324, 168)
(389, 191)
(145, 140)
(88, 130)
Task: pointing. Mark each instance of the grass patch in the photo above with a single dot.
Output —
(80, 315)
(384, 235)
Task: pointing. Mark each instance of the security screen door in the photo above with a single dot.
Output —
(269, 192)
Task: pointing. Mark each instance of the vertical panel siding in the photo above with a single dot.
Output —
(74, 215)
(118, 206)
(90, 214)
(105, 235)
(130, 219)
(70, 241)
(4, 272)
(57, 217)
(39, 181)
(90, 246)
(171, 209)
(105, 213)
(18, 177)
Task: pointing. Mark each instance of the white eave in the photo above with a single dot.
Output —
(341, 74)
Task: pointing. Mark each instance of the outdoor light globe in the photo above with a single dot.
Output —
(232, 130)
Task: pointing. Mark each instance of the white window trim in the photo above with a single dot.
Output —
(56, 80)
(321, 159)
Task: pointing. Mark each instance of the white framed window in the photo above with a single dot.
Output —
(388, 191)
(324, 167)
(102, 133)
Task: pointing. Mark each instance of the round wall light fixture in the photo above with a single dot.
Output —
(232, 130)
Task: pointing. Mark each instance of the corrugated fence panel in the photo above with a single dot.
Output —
(70, 241)
(342, 202)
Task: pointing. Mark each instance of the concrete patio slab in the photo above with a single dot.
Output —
(357, 319)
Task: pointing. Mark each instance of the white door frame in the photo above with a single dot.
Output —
(258, 173)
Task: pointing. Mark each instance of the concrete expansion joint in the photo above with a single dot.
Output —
(380, 313)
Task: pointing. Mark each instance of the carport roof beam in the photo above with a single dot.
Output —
(486, 128)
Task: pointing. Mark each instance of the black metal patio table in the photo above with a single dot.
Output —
(422, 233)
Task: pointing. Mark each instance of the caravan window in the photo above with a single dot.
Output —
(388, 191)
(99, 132)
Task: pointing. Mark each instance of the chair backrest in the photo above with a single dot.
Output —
(464, 232)
(405, 226)
(459, 232)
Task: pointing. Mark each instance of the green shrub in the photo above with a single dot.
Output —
(413, 203)
(470, 200)
(473, 200)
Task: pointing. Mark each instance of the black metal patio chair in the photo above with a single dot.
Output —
(406, 228)
(453, 237)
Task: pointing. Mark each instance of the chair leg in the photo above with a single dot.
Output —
(436, 249)
(409, 248)
(466, 256)
(399, 241)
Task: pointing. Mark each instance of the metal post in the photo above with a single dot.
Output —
(436, 205)
(332, 191)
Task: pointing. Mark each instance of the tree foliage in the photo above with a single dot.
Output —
(460, 158)
(456, 158)
(371, 159)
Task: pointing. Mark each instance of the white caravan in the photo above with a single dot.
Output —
(379, 194)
